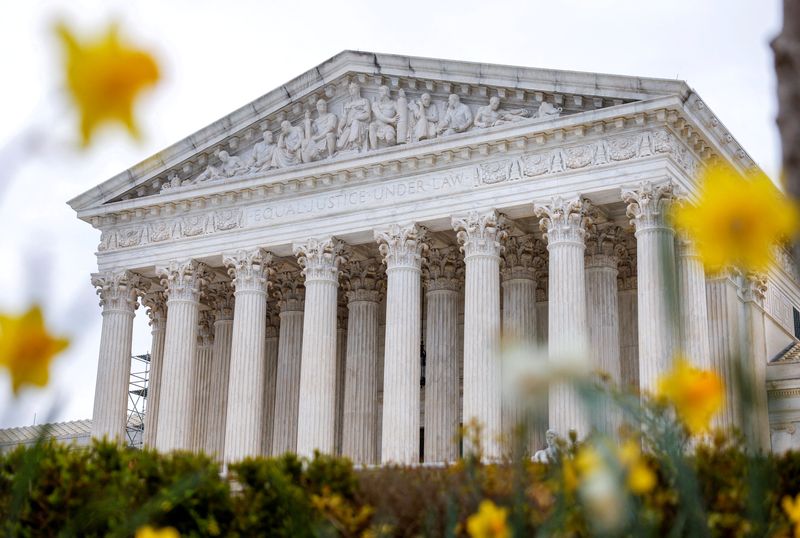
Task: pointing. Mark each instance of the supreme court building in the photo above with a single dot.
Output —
(331, 266)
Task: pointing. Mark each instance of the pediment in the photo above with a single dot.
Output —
(236, 147)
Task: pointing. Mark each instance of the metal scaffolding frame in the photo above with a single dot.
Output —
(137, 399)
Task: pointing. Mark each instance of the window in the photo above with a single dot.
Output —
(796, 322)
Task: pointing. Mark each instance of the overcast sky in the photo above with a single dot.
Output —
(218, 56)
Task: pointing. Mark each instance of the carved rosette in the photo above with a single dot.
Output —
(648, 204)
(221, 300)
(519, 256)
(402, 246)
(184, 280)
(563, 221)
(205, 329)
(155, 301)
(249, 269)
(602, 245)
(480, 234)
(289, 291)
(364, 280)
(119, 290)
(320, 259)
(443, 269)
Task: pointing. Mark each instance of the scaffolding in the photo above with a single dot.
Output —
(137, 399)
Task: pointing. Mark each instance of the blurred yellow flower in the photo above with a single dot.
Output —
(641, 478)
(26, 348)
(792, 509)
(488, 522)
(737, 220)
(104, 77)
(696, 394)
(150, 532)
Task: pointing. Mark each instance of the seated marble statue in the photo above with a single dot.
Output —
(229, 166)
(491, 114)
(290, 143)
(320, 134)
(261, 157)
(424, 118)
(354, 123)
(546, 110)
(385, 116)
(172, 181)
(550, 453)
(457, 117)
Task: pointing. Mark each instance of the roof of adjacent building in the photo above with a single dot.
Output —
(57, 430)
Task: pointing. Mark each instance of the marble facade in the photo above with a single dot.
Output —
(299, 257)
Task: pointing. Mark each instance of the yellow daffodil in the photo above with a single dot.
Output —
(641, 478)
(104, 77)
(150, 532)
(696, 394)
(490, 521)
(737, 219)
(792, 509)
(26, 348)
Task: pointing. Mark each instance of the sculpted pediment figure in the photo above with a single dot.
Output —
(320, 135)
(261, 156)
(290, 143)
(385, 118)
(229, 166)
(457, 117)
(354, 123)
(491, 114)
(425, 117)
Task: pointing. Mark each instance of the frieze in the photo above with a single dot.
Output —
(596, 153)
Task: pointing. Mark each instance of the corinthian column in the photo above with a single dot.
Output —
(359, 433)
(724, 324)
(156, 305)
(755, 424)
(480, 236)
(519, 315)
(202, 383)
(183, 281)
(692, 304)
(602, 303)
(402, 248)
(655, 262)
(444, 276)
(564, 223)
(270, 377)
(249, 271)
(118, 293)
(341, 358)
(290, 293)
(316, 422)
(221, 301)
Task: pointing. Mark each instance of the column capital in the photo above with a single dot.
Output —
(249, 269)
(364, 280)
(205, 329)
(648, 204)
(220, 299)
(443, 269)
(289, 290)
(402, 246)
(604, 245)
(520, 257)
(563, 221)
(184, 280)
(320, 259)
(119, 290)
(480, 234)
(752, 288)
(155, 301)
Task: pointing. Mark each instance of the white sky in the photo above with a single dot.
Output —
(218, 56)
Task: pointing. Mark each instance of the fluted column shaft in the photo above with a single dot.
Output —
(270, 382)
(183, 282)
(341, 365)
(118, 296)
(220, 375)
(401, 248)
(202, 383)
(480, 236)
(564, 224)
(249, 271)
(692, 305)
(756, 427)
(287, 390)
(361, 378)
(157, 311)
(724, 327)
(603, 329)
(317, 415)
